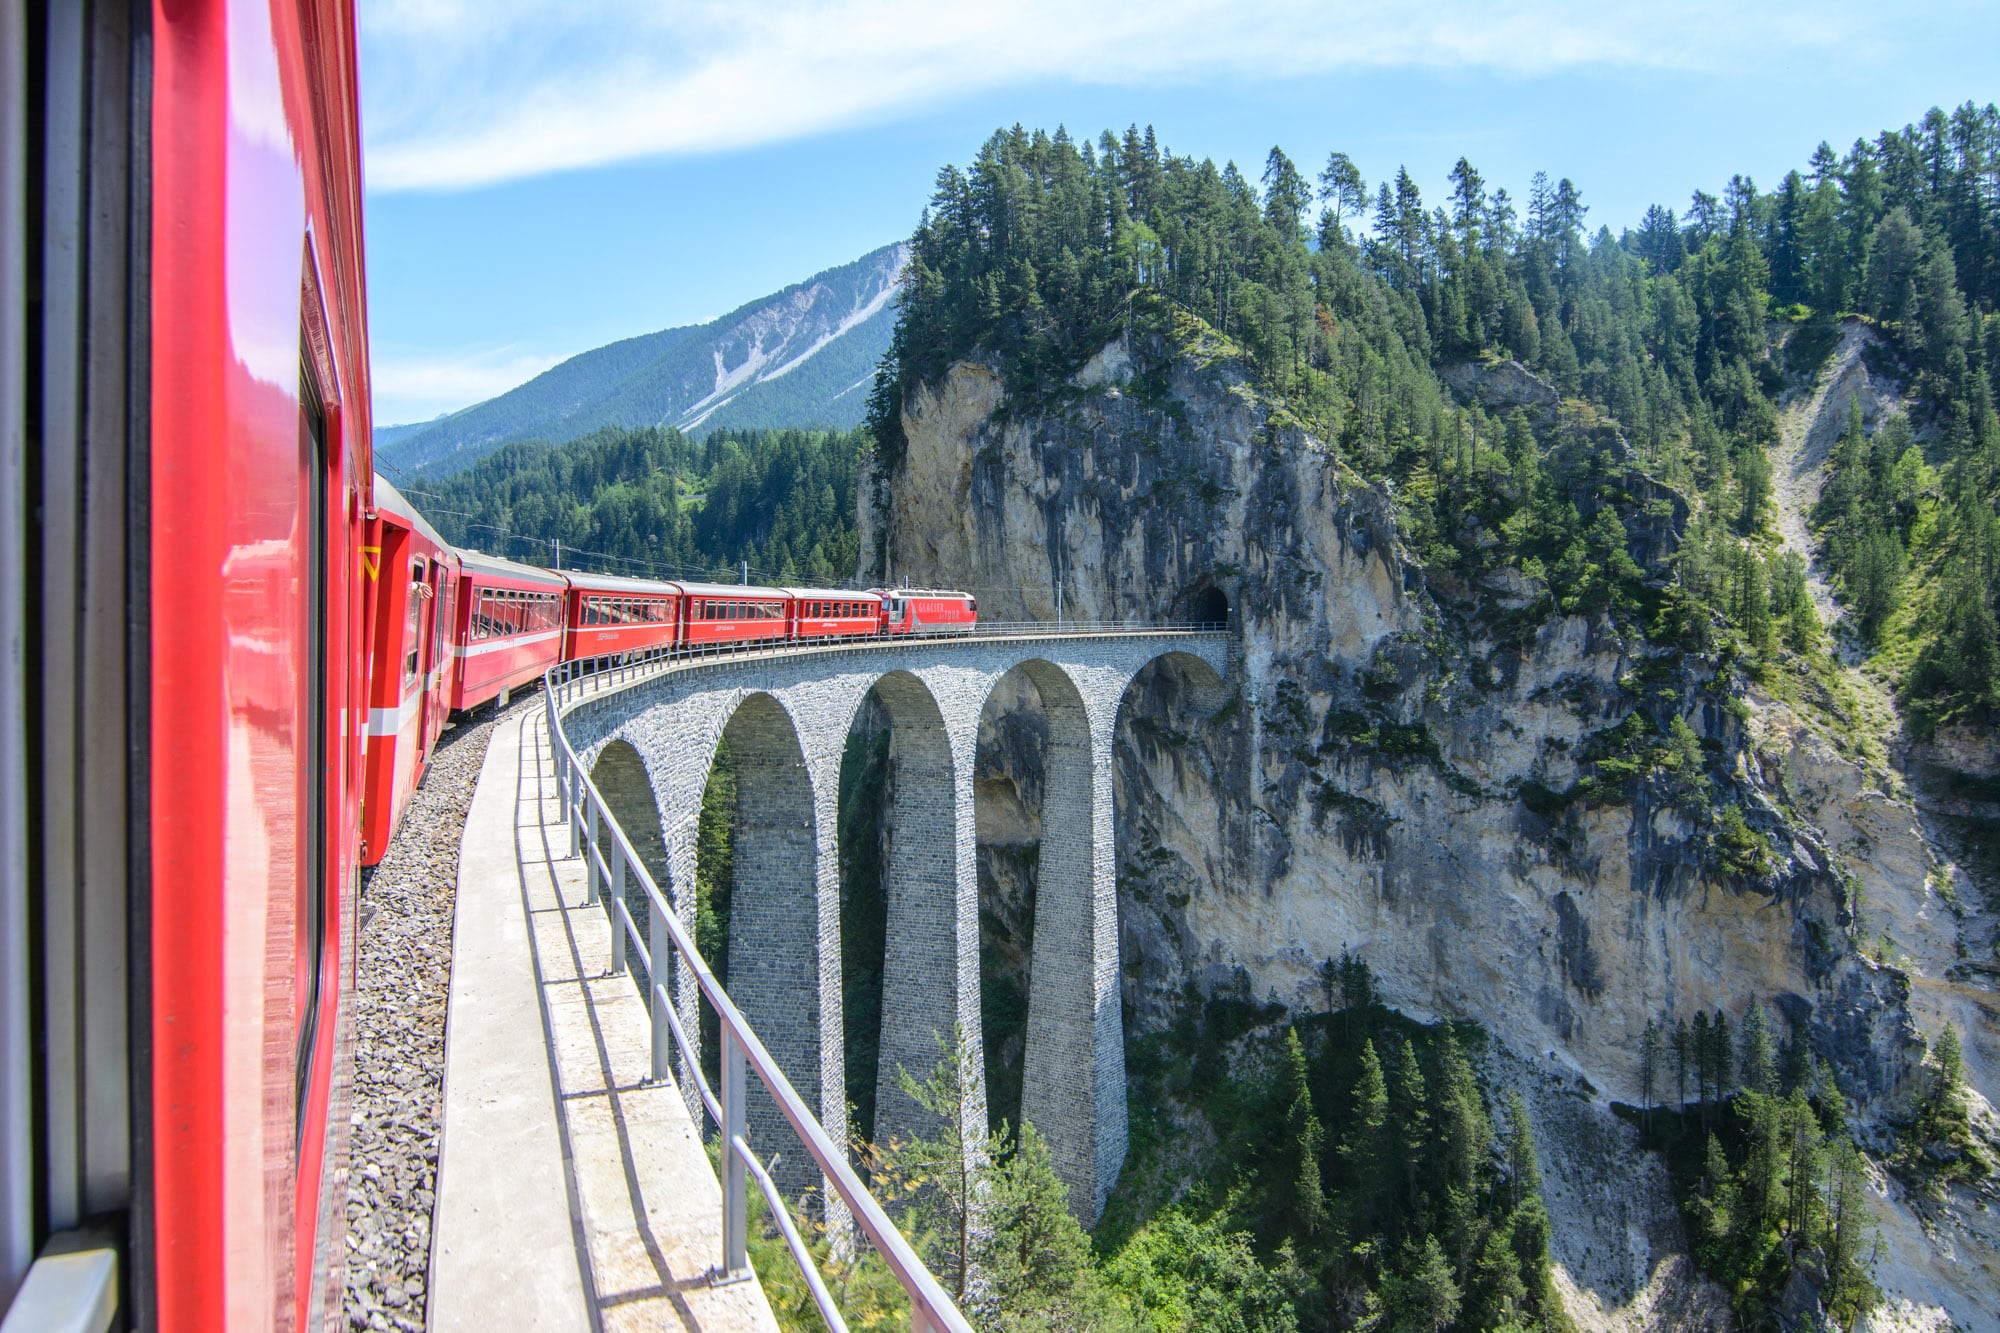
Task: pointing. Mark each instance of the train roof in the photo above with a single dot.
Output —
(831, 594)
(618, 583)
(390, 500)
(922, 592)
(478, 562)
(730, 590)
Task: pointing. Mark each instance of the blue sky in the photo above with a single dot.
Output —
(546, 176)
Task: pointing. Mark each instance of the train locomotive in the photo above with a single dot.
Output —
(227, 649)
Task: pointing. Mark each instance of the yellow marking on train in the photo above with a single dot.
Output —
(371, 560)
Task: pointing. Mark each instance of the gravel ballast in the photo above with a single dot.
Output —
(403, 979)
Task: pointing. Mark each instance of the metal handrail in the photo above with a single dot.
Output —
(585, 811)
(578, 676)
(591, 824)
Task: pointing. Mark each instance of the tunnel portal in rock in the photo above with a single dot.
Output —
(1206, 606)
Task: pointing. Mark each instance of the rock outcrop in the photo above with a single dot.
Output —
(1397, 771)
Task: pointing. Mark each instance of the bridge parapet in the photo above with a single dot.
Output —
(787, 714)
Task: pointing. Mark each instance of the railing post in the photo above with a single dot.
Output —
(590, 854)
(617, 900)
(660, 948)
(735, 1194)
(573, 818)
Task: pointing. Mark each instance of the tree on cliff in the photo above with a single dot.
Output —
(1303, 1201)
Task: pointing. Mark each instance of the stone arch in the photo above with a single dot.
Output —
(927, 957)
(1073, 1064)
(1172, 749)
(620, 774)
(775, 943)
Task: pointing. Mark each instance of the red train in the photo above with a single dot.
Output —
(513, 622)
(226, 651)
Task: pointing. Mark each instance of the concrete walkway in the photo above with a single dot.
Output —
(572, 1194)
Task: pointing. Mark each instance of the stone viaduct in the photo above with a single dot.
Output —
(786, 715)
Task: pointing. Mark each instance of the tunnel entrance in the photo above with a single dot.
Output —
(1207, 608)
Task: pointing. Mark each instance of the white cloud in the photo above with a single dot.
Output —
(461, 93)
(418, 387)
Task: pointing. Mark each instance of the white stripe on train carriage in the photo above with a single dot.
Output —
(496, 645)
(389, 721)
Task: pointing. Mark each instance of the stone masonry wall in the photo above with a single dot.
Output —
(788, 715)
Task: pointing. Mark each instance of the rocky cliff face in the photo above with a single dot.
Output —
(1393, 774)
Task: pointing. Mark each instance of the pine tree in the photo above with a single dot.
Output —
(1703, 1051)
(1408, 1108)
(1650, 1055)
(1722, 1053)
(1524, 1172)
(1464, 1132)
(938, 1177)
(1304, 1198)
(1342, 189)
(1759, 1061)
(1944, 1122)
(1424, 1297)
(1033, 1259)
(1683, 1044)
(1366, 1149)
(1848, 1225)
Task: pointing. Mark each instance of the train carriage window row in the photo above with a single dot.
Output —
(718, 610)
(502, 613)
(627, 611)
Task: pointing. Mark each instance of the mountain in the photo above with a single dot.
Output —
(1619, 677)
(388, 437)
(803, 357)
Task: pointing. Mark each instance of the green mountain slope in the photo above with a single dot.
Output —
(802, 357)
(655, 503)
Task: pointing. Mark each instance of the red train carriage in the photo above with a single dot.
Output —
(412, 594)
(726, 613)
(927, 611)
(181, 286)
(822, 613)
(510, 627)
(606, 614)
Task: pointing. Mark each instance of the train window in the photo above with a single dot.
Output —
(413, 630)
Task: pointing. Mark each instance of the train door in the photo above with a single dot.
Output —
(415, 683)
(311, 919)
(438, 660)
